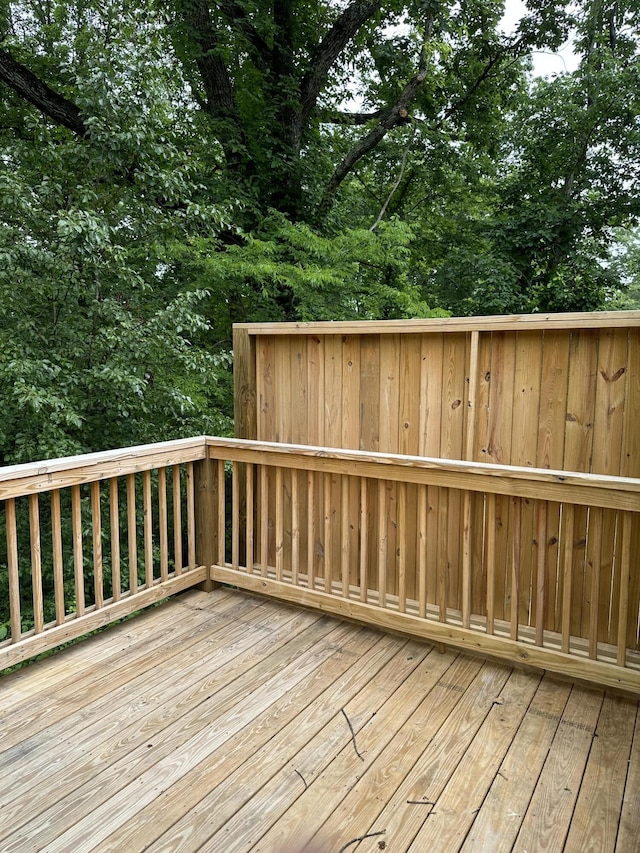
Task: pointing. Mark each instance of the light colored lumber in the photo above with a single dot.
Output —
(500, 815)
(13, 574)
(568, 515)
(96, 537)
(584, 320)
(344, 542)
(535, 483)
(279, 525)
(264, 520)
(269, 801)
(249, 519)
(625, 576)
(163, 524)
(191, 515)
(491, 561)
(327, 787)
(594, 823)
(132, 534)
(629, 827)
(73, 689)
(364, 539)
(61, 473)
(546, 822)
(184, 808)
(91, 815)
(244, 378)
(224, 778)
(56, 541)
(361, 805)
(518, 652)
(401, 817)
(114, 513)
(458, 804)
(36, 564)
(177, 520)
(83, 624)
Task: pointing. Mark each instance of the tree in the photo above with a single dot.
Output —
(168, 169)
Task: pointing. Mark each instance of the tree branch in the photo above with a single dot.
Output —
(403, 165)
(25, 83)
(343, 30)
(392, 117)
(237, 17)
(344, 117)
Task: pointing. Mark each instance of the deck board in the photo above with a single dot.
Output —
(225, 721)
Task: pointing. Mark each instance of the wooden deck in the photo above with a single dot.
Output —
(225, 722)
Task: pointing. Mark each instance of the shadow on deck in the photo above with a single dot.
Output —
(228, 722)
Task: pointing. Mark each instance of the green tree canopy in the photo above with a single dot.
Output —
(170, 168)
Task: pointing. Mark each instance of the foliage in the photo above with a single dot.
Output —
(169, 169)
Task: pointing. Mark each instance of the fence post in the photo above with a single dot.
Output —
(245, 411)
(206, 517)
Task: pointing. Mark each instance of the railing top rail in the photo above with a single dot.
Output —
(34, 477)
(538, 483)
(496, 323)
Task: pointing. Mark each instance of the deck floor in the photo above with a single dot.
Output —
(225, 722)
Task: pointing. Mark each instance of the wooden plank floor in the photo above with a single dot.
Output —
(225, 722)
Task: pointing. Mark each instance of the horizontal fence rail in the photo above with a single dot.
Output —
(542, 569)
(90, 539)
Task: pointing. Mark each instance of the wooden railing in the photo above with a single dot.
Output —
(543, 569)
(555, 583)
(93, 538)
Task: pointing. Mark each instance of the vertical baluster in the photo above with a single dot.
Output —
(235, 517)
(422, 550)
(191, 517)
(594, 538)
(402, 544)
(443, 553)
(311, 530)
(177, 520)
(249, 518)
(327, 533)
(12, 566)
(78, 558)
(382, 543)
(568, 523)
(264, 521)
(279, 524)
(132, 538)
(491, 560)
(364, 541)
(541, 536)
(222, 510)
(163, 522)
(344, 524)
(515, 569)
(114, 511)
(147, 515)
(625, 577)
(96, 536)
(36, 564)
(295, 528)
(466, 559)
(56, 541)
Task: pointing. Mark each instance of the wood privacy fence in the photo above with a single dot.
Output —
(558, 392)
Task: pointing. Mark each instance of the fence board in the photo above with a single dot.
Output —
(554, 391)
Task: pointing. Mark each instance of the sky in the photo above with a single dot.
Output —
(545, 64)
